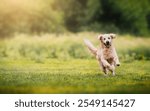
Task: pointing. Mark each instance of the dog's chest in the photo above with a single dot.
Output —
(108, 54)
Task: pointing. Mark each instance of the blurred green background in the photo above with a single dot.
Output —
(63, 24)
(46, 16)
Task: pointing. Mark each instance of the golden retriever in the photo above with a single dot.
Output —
(106, 54)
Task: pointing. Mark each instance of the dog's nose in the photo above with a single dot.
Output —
(107, 42)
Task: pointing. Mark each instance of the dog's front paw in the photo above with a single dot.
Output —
(117, 64)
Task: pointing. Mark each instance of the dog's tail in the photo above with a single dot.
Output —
(90, 46)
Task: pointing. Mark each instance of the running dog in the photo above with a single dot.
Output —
(106, 54)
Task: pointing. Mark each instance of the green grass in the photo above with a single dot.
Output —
(72, 76)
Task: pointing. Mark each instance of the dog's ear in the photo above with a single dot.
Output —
(113, 36)
(100, 37)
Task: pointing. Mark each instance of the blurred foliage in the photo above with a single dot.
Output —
(46, 16)
(29, 16)
(127, 16)
(68, 46)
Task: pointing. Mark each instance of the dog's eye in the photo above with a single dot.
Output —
(104, 39)
(108, 37)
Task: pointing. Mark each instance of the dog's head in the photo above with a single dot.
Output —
(106, 39)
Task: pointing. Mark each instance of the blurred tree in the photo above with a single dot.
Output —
(28, 16)
(74, 11)
(93, 12)
(128, 15)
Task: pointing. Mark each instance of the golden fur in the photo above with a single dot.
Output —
(106, 54)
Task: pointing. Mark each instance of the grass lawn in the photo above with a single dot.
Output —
(72, 76)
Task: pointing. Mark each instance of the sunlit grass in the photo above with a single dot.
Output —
(72, 76)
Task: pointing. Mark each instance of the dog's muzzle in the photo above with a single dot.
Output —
(107, 44)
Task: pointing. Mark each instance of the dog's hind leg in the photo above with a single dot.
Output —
(105, 70)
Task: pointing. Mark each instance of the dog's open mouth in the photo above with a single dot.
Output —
(107, 45)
